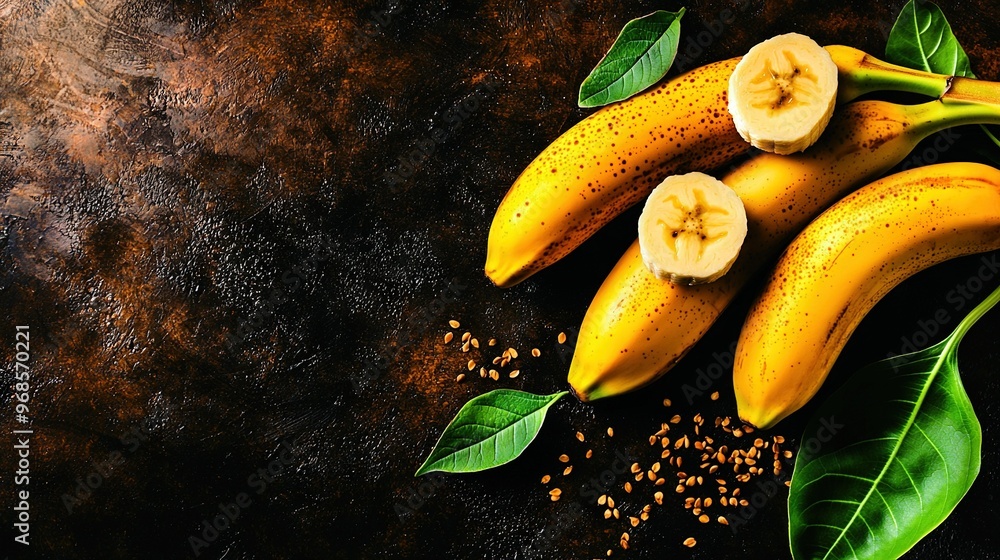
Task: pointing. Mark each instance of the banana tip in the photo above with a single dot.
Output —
(582, 397)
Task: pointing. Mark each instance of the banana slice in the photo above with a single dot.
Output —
(782, 93)
(691, 229)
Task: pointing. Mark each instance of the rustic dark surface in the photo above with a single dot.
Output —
(168, 168)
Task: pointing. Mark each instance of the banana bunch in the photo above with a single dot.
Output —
(614, 158)
(697, 248)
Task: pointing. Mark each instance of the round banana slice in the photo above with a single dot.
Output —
(782, 93)
(691, 229)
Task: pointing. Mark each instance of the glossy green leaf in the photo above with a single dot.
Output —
(887, 457)
(922, 39)
(490, 430)
(640, 57)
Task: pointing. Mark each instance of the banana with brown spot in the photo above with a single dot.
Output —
(842, 264)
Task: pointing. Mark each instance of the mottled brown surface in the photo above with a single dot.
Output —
(168, 167)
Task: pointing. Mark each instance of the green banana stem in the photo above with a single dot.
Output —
(867, 74)
(951, 111)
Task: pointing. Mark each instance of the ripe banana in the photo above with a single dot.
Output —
(782, 93)
(691, 229)
(614, 158)
(638, 326)
(842, 264)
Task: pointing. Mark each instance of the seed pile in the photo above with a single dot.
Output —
(707, 463)
(489, 368)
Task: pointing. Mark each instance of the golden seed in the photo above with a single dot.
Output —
(738, 432)
(664, 442)
(616, 513)
(579, 436)
(658, 496)
(675, 419)
(607, 514)
(724, 501)
(660, 481)
(721, 481)
(602, 500)
(697, 504)
(567, 470)
(700, 446)
(651, 475)
(466, 337)
(744, 503)
(788, 483)
(700, 480)
(465, 347)
(722, 490)
(644, 515)
(609, 552)
(712, 469)
(787, 454)
(454, 324)
(697, 431)
(679, 489)
(748, 429)
(715, 396)
(504, 362)
(494, 375)
(625, 537)
(555, 492)
(482, 372)
(624, 544)
(564, 458)
(722, 520)
(448, 337)
(758, 442)
(554, 498)
(665, 454)
(752, 453)
(640, 476)
(472, 365)
(777, 471)
(666, 402)
(590, 453)
(634, 521)
(611, 433)
(546, 479)
(690, 481)
(656, 467)
(736, 492)
(628, 487)
(726, 421)
(611, 502)
(514, 373)
(475, 342)
(679, 462)
(460, 377)
(492, 342)
(561, 338)
(646, 508)
(512, 353)
(536, 352)
(704, 518)
(690, 542)
(636, 468)
(779, 439)
(750, 461)
(497, 360)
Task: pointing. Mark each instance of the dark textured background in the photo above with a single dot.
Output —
(166, 167)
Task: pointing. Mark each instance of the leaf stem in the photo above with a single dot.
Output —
(975, 315)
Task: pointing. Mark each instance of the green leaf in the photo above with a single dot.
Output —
(922, 39)
(490, 430)
(640, 57)
(887, 457)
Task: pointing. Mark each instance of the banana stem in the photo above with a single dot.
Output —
(951, 111)
(867, 74)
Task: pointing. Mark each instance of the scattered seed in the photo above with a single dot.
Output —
(611, 433)
(724, 501)
(628, 487)
(640, 476)
(744, 503)
(454, 324)
(712, 469)
(482, 372)
(708, 502)
(466, 337)
(602, 500)
(723, 489)
(611, 502)
(738, 432)
(492, 342)
(652, 476)
(625, 537)
(722, 520)
(788, 483)
(514, 373)
(555, 492)
(472, 365)
(666, 402)
(590, 453)
(554, 498)
(679, 462)
(607, 514)
(787, 454)
(779, 439)
(679, 489)
(536, 352)
(546, 479)
(758, 443)
(494, 375)
(567, 470)
(665, 454)
(475, 342)
(704, 518)
(635, 468)
(634, 521)
(609, 552)
(460, 377)
(675, 419)
(690, 481)
(448, 337)
(660, 481)
(715, 396)
(465, 347)
(690, 542)
(624, 544)
(561, 338)
(616, 513)
(512, 353)
(564, 458)
(644, 515)
(658, 496)
(665, 441)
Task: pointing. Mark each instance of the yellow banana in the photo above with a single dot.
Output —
(638, 327)
(842, 264)
(614, 158)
